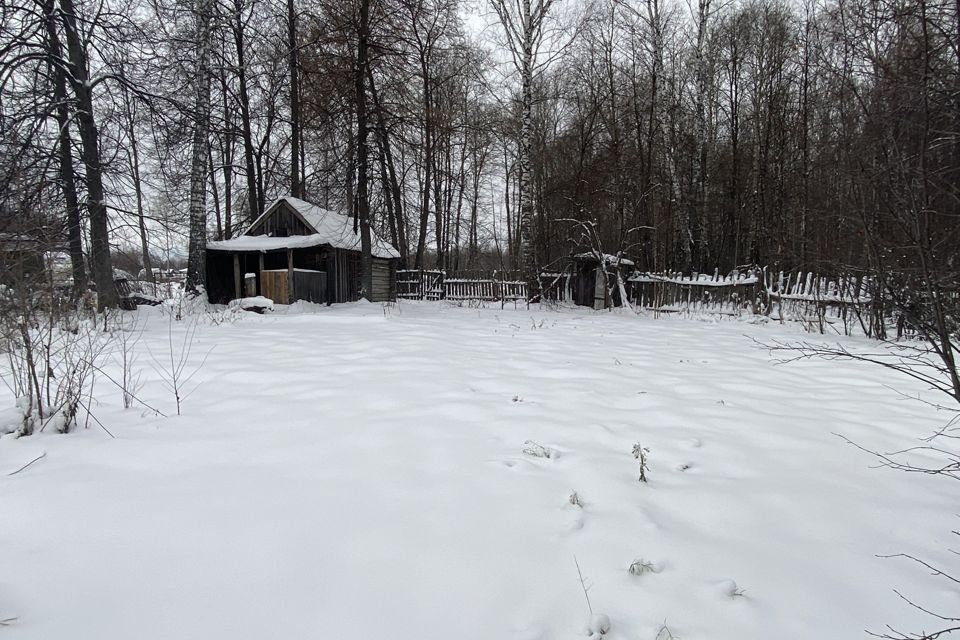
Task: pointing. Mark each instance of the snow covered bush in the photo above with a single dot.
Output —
(641, 566)
(641, 453)
(537, 450)
(51, 353)
(598, 625)
(730, 589)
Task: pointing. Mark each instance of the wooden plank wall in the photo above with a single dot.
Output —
(309, 285)
(383, 281)
(344, 276)
(273, 283)
(283, 219)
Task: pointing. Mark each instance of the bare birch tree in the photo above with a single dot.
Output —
(196, 250)
(523, 25)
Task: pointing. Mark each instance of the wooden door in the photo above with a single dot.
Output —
(274, 285)
(600, 290)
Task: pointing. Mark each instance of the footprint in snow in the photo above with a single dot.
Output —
(533, 632)
(694, 443)
(574, 507)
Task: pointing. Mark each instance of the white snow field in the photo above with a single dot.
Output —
(359, 472)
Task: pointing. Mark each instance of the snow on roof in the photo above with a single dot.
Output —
(330, 228)
(268, 243)
(608, 258)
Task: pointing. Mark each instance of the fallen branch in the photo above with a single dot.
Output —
(13, 473)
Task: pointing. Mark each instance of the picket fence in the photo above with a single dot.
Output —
(437, 285)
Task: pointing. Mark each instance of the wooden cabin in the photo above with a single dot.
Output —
(298, 251)
(595, 285)
(21, 259)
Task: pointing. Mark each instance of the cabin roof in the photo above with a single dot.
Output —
(18, 242)
(608, 258)
(267, 243)
(329, 228)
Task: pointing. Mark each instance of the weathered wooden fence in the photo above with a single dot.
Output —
(673, 292)
(842, 304)
(848, 301)
(418, 284)
(415, 284)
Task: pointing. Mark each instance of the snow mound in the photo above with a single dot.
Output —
(598, 625)
(258, 304)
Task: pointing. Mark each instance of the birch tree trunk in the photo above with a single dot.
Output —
(197, 248)
(528, 259)
(522, 23)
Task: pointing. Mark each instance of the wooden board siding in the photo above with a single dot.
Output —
(384, 281)
(281, 221)
(274, 285)
(329, 275)
(343, 276)
(309, 285)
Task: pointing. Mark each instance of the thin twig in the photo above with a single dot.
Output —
(13, 473)
(583, 585)
(97, 420)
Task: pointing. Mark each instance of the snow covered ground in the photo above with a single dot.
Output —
(359, 472)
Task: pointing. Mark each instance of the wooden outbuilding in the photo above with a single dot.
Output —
(21, 259)
(593, 279)
(298, 251)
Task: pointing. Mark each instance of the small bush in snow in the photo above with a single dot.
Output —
(51, 352)
(665, 634)
(127, 335)
(537, 450)
(175, 366)
(641, 453)
(575, 500)
(640, 566)
(730, 589)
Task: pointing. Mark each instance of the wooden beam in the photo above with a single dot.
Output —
(236, 277)
(260, 277)
(289, 276)
(331, 277)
